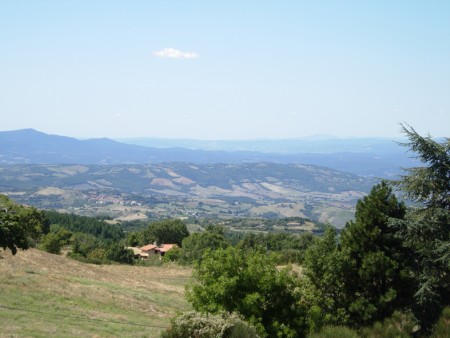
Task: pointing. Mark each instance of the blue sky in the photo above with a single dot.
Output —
(224, 69)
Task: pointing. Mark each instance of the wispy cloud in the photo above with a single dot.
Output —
(173, 53)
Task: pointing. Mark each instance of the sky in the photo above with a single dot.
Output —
(225, 69)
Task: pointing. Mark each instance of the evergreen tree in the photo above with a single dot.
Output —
(376, 278)
(426, 229)
(362, 278)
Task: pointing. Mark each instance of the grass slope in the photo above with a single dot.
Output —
(44, 295)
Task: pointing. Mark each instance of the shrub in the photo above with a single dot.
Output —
(399, 325)
(200, 325)
(54, 241)
(173, 255)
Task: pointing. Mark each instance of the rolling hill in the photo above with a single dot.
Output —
(184, 189)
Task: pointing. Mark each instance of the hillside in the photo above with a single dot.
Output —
(189, 190)
(44, 295)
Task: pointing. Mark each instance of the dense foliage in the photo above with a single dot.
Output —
(426, 228)
(194, 246)
(84, 224)
(18, 224)
(199, 325)
(390, 258)
(385, 275)
(288, 248)
(363, 279)
(250, 284)
(168, 231)
(54, 241)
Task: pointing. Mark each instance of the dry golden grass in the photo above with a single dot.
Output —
(45, 295)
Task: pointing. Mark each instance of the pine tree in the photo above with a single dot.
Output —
(426, 229)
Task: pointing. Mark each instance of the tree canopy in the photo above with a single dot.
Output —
(194, 246)
(249, 283)
(168, 231)
(18, 224)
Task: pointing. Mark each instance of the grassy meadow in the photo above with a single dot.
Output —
(44, 295)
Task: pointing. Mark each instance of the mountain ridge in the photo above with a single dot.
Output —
(29, 146)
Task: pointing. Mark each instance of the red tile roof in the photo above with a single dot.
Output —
(149, 247)
(165, 247)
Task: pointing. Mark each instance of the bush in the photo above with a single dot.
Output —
(97, 254)
(173, 255)
(399, 325)
(200, 325)
(54, 241)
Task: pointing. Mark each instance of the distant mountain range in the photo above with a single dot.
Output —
(368, 157)
(313, 144)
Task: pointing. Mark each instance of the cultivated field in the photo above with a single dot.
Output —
(44, 295)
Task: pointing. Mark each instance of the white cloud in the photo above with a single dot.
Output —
(173, 53)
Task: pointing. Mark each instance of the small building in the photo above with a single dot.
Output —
(149, 249)
(152, 249)
(164, 248)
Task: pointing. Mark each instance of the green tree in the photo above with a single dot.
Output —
(289, 248)
(363, 278)
(54, 241)
(118, 253)
(194, 246)
(324, 268)
(426, 228)
(18, 224)
(249, 283)
(133, 238)
(84, 224)
(376, 280)
(169, 231)
(83, 244)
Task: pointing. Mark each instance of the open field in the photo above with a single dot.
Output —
(43, 295)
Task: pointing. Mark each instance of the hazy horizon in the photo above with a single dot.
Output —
(314, 137)
(236, 70)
